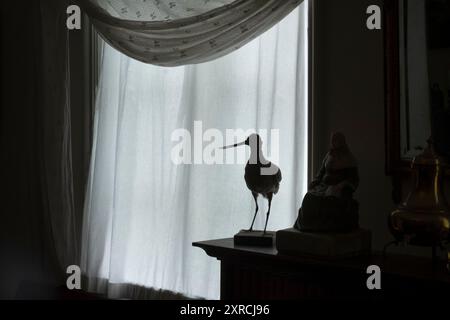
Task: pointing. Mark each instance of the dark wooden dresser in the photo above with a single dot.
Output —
(262, 273)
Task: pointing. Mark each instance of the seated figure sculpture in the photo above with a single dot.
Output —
(329, 205)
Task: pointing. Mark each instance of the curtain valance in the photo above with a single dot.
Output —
(172, 33)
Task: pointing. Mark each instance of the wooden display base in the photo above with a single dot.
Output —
(254, 238)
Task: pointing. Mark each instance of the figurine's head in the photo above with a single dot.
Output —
(338, 141)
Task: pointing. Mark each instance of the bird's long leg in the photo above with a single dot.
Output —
(269, 197)
(255, 196)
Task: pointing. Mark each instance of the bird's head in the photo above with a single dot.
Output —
(253, 140)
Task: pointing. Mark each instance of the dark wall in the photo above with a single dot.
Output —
(349, 97)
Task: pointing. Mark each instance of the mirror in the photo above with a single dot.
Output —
(417, 44)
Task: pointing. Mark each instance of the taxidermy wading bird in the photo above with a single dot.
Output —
(261, 176)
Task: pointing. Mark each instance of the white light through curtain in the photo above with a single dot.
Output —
(142, 211)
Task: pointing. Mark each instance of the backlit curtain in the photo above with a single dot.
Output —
(143, 211)
(172, 33)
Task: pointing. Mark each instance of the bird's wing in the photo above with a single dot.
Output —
(277, 179)
(277, 175)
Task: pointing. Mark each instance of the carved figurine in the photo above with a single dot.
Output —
(329, 205)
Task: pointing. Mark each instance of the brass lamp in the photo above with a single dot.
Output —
(424, 217)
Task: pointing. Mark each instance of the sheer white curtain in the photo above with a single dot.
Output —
(173, 33)
(142, 211)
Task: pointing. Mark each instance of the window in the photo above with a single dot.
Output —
(143, 211)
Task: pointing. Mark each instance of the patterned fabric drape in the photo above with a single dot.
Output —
(172, 33)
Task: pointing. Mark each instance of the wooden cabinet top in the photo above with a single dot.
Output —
(405, 266)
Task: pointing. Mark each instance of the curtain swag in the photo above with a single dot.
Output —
(172, 33)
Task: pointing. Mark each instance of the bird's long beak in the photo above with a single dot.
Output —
(234, 145)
